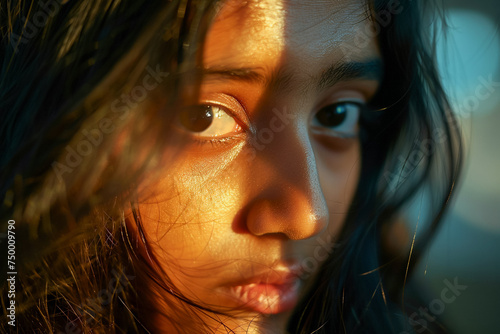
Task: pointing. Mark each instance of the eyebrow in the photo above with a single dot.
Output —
(368, 70)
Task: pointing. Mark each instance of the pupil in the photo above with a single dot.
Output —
(332, 115)
(197, 119)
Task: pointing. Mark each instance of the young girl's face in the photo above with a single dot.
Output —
(243, 218)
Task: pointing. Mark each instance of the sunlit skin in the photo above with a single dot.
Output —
(240, 201)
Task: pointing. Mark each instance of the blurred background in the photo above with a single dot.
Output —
(467, 248)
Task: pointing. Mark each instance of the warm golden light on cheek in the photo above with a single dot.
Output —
(199, 194)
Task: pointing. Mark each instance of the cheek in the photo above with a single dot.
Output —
(188, 224)
(339, 176)
(191, 211)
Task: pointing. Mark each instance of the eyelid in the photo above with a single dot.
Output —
(359, 90)
(359, 101)
(231, 105)
(343, 96)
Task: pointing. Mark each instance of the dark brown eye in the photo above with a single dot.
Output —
(341, 118)
(208, 121)
(197, 119)
(332, 115)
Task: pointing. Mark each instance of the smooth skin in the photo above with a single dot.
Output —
(267, 184)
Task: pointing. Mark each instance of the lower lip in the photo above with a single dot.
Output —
(267, 298)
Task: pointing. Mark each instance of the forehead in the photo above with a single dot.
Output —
(288, 33)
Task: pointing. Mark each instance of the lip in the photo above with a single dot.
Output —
(273, 291)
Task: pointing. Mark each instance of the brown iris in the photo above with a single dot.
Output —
(332, 115)
(197, 119)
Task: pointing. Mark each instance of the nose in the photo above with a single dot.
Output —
(287, 194)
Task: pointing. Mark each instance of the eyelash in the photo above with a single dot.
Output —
(215, 142)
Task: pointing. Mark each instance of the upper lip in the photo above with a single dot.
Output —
(276, 275)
